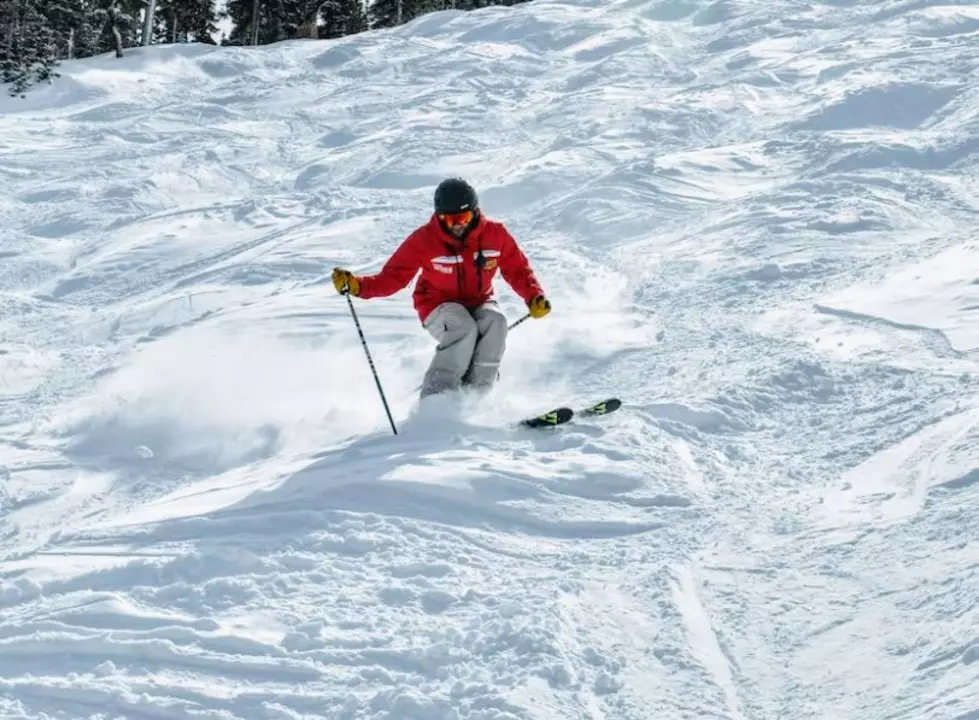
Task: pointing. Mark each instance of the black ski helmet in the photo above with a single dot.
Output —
(455, 195)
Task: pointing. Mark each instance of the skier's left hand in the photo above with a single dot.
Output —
(344, 281)
(539, 307)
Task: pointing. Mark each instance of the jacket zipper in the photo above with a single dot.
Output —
(480, 262)
(461, 265)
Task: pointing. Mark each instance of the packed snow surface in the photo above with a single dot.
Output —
(756, 220)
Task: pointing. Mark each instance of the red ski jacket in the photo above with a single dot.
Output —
(454, 270)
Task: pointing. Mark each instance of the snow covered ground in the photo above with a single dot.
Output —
(757, 222)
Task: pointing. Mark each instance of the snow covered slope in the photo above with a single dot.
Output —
(757, 222)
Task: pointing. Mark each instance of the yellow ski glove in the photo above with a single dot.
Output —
(539, 307)
(344, 280)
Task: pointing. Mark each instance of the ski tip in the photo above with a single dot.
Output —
(557, 416)
(605, 406)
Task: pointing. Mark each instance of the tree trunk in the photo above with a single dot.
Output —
(148, 22)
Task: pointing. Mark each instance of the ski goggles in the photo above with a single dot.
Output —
(460, 218)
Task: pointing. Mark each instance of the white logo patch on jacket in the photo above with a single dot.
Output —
(446, 263)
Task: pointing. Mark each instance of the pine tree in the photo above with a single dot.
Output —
(342, 17)
(390, 13)
(295, 16)
(243, 30)
(185, 21)
(287, 19)
(28, 46)
(115, 23)
(428, 6)
(71, 22)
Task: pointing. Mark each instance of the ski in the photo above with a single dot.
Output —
(562, 415)
(557, 416)
(603, 408)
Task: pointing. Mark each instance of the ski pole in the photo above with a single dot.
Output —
(363, 341)
(519, 321)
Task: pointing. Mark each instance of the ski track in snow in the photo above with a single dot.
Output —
(756, 222)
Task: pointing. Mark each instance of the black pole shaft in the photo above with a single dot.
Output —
(519, 321)
(377, 380)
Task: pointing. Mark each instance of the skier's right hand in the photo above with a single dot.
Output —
(539, 307)
(344, 281)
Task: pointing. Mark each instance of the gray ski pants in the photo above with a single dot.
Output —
(470, 347)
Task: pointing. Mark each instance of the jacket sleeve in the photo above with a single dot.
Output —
(516, 269)
(397, 272)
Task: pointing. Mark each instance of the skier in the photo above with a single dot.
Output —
(458, 252)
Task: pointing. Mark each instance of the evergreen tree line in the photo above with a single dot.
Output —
(35, 35)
